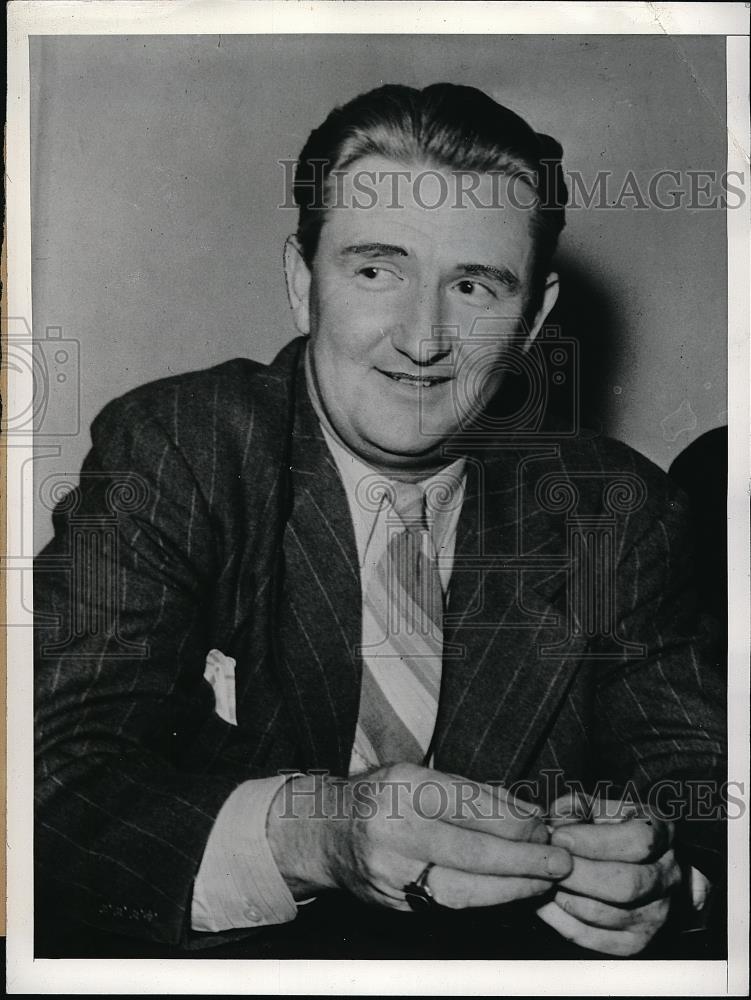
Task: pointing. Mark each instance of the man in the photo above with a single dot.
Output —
(361, 623)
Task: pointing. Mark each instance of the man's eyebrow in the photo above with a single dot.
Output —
(374, 250)
(502, 274)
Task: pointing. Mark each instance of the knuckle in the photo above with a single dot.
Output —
(531, 828)
(645, 880)
(377, 864)
(567, 903)
(668, 862)
(655, 916)
(537, 833)
(453, 903)
(452, 896)
(459, 900)
(674, 877)
(400, 772)
(368, 859)
(621, 919)
(516, 826)
(369, 831)
(628, 944)
(628, 886)
(642, 842)
(639, 841)
(658, 840)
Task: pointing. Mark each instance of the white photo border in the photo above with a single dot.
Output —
(211, 976)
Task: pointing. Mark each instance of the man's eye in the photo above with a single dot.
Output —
(377, 275)
(474, 289)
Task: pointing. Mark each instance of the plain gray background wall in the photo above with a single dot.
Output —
(157, 236)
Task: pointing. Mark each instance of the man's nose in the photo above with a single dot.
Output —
(420, 333)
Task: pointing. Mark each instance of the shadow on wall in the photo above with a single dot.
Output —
(564, 382)
(585, 312)
(573, 386)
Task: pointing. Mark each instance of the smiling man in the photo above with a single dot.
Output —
(381, 637)
(392, 295)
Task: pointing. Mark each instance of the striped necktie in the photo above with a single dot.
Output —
(401, 671)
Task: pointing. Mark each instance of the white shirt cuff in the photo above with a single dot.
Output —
(238, 883)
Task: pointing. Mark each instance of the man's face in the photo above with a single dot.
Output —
(412, 310)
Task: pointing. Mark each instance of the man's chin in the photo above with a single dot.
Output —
(405, 454)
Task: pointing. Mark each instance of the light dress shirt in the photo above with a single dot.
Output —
(238, 883)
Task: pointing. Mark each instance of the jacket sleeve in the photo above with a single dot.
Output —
(121, 822)
(662, 712)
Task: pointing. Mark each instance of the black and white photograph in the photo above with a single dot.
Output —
(377, 451)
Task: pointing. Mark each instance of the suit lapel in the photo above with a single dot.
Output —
(498, 691)
(499, 694)
(319, 613)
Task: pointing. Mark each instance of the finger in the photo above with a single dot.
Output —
(523, 807)
(572, 807)
(616, 810)
(385, 895)
(462, 802)
(622, 883)
(484, 854)
(457, 889)
(621, 943)
(476, 806)
(597, 914)
(635, 840)
(501, 823)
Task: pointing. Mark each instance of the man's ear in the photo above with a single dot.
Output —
(297, 276)
(549, 299)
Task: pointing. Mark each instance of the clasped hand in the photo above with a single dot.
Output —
(617, 895)
(374, 834)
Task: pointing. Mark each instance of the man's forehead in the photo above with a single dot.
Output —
(382, 207)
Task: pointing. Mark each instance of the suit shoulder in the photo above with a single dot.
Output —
(603, 471)
(236, 383)
(613, 458)
(208, 408)
(591, 449)
(217, 420)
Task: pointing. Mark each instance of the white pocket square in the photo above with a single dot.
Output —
(220, 673)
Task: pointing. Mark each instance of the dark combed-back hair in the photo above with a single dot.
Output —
(448, 126)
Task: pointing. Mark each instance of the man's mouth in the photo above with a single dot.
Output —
(419, 381)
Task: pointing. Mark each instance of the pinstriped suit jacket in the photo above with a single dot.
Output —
(213, 516)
